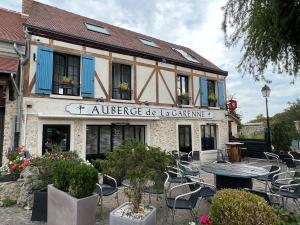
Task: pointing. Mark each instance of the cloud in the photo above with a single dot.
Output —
(192, 23)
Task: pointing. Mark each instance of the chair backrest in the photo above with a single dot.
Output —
(271, 157)
(295, 155)
(273, 170)
(262, 194)
(194, 197)
(289, 163)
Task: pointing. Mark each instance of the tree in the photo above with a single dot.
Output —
(269, 31)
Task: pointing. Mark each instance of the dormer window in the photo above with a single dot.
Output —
(186, 55)
(96, 28)
(148, 42)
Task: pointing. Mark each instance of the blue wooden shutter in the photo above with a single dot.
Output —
(44, 70)
(88, 74)
(221, 93)
(203, 91)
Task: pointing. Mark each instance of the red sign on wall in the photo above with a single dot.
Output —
(232, 105)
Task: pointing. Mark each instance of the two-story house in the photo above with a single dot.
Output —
(89, 85)
(12, 52)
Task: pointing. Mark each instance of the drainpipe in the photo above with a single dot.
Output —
(23, 60)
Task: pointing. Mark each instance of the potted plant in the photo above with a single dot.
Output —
(66, 81)
(124, 86)
(140, 164)
(73, 185)
(212, 99)
(45, 165)
(184, 98)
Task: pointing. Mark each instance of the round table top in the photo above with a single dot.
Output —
(234, 170)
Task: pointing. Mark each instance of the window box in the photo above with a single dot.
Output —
(118, 93)
(184, 100)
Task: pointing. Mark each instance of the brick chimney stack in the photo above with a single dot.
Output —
(26, 5)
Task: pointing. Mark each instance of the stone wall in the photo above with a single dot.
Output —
(252, 128)
(9, 125)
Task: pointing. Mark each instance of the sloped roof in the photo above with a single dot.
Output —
(11, 26)
(48, 20)
(8, 65)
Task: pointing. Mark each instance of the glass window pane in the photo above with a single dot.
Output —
(117, 136)
(128, 132)
(56, 138)
(91, 140)
(140, 133)
(105, 139)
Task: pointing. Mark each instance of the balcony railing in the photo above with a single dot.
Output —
(183, 100)
(117, 93)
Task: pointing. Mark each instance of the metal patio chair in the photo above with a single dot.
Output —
(268, 197)
(158, 187)
(271, 157)
(106, 190)
(198, 190)
(294, 155)
(175, 176)
(194, 156)
(289, 191)
(188, 168)
(272, 170)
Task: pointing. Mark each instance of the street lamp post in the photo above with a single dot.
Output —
(266, 93)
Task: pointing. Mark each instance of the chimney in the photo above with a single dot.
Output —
(26, 5)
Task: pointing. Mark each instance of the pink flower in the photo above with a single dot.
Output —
(203, 219)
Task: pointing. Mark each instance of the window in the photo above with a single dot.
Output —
(183, 90)
(56, 138)
(66, 74)
(211, 90)
(209, 137)
(186, 55)
(185, 138)
(101, 139)
(96, 28)
(121, 81)
(149, 42)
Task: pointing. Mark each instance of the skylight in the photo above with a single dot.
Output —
(149, 42)
(186, 55)
(95, 28)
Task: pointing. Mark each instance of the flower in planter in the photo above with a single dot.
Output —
(212, 98)
(124, 86)
(66, 80)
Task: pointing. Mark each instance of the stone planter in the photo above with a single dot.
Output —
(116, 217)
(39, 209)
(64, 209)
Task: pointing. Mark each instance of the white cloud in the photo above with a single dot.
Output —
(192, 23)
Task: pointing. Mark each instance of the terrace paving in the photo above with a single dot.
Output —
(18, 216)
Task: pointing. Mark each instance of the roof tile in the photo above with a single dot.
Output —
(8, 65)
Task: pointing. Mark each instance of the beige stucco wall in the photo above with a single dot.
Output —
(52, 111)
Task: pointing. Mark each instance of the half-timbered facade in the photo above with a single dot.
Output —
(89, 85)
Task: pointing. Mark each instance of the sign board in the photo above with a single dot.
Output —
(100, 109)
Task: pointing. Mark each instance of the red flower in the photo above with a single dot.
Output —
(13, 166)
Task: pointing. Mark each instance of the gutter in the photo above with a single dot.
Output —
(20, 89)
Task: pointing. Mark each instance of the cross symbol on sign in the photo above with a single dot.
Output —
(80, 108)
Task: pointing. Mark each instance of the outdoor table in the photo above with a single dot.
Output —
(234, 151)
(233, 175)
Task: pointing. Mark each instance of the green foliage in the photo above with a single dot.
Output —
(281, 138)
(269, 30)
(7, 202)
(138, 163)
(232, 206)
(258, 136)
(83, 179)
(46, 164)
(288, 218)
(75, 177)
(97, 163)
(124, 86)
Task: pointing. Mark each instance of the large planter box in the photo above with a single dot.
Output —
(64, 209)
(39, 209)
(117, 219)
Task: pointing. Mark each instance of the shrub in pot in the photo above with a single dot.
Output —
(73, 185)
(45, 165)
(139, 165)
(232, 206)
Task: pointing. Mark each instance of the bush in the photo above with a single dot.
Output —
(138, 163)
(46, 164)
(97, 163)
(236, 207)
(281, 137)
(75, 177)
(7, 202)
(288, 218)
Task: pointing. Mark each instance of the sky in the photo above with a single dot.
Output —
(191, 23)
